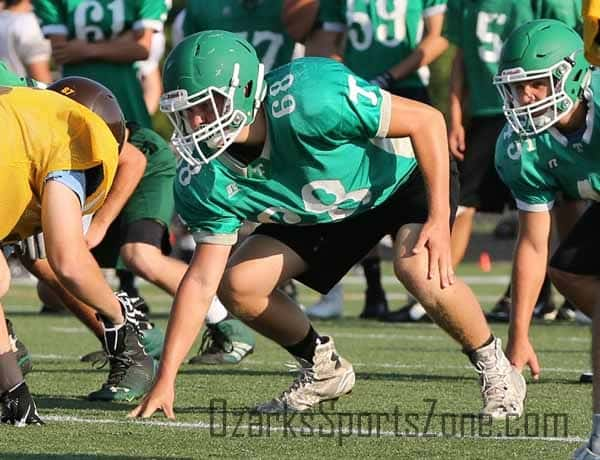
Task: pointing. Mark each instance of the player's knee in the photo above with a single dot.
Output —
(412, 274)
(237, 296)
(562, 279)
(141, 260)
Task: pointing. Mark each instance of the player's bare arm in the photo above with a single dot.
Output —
(68, 254)
(456, 129)
(427, 130)
(429, 49)
(130, 170)
(529, 269)
(128, 47)
(193, 298)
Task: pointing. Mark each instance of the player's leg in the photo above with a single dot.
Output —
(16, 404)
(455, 308)
(41, 269)
(226, 340)
(575, 272)
(249, 289)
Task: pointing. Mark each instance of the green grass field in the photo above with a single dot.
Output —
(413, 396)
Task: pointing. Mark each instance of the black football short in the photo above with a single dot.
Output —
(147, 231)
(579, 253)
(331, 250)
(480, 186)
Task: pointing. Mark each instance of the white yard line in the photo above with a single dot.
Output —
(249, 362)
(295, 428)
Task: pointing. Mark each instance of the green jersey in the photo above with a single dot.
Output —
(380, 34)
(325, 157)
(9, 78)
(258, 21)
(536, 168)
(568, 12)
(479, 28)
(95, 20)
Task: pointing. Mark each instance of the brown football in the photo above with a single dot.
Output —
(298, 17)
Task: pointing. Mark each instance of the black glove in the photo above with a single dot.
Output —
(18, 407)
(384, 80)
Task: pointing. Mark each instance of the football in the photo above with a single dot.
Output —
(298, 17)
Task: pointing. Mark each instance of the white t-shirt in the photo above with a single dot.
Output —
(21, 41)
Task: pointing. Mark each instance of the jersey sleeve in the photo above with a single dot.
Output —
(152, 15)
(331, 15)
(527, 186)
(31, 44)
(52, 16)
(365, 110)
(453, 24)
(205, 221)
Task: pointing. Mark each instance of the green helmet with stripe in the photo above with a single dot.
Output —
(220, 72)
(539, 49)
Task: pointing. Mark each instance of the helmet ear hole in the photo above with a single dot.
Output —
(248, 89)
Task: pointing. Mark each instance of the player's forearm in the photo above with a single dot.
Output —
(132, 164)
(428, 51)
(185, 321)
(529, 270)
(457, 92)
(431, 150)
(118, 50)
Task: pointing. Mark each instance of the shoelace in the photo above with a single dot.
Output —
(214, 340)
(306, 376)
(118, 369)
(493, 380)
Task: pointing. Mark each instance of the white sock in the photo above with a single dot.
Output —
(217, 312)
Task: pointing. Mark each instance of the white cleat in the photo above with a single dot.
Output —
(330, 377)
(330, 305)
(503, 388)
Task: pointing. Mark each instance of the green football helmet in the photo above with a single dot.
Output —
(219, 74)
(540, 49)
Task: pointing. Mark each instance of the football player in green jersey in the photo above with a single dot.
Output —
(550, 146)
(478, 30)
(391, 45)
(102, 40)
(324, 161)
(258, 21)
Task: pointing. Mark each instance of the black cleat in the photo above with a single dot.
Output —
(18, 407)
(412, 312)
(586, 377)
(501, 311)
(376, 304)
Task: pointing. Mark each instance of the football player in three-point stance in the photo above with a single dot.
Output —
(304, 151)
(48, 186)
(550, 146)
(392, 46)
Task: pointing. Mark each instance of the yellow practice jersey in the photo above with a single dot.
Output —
(40, 132)
(591, 16)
